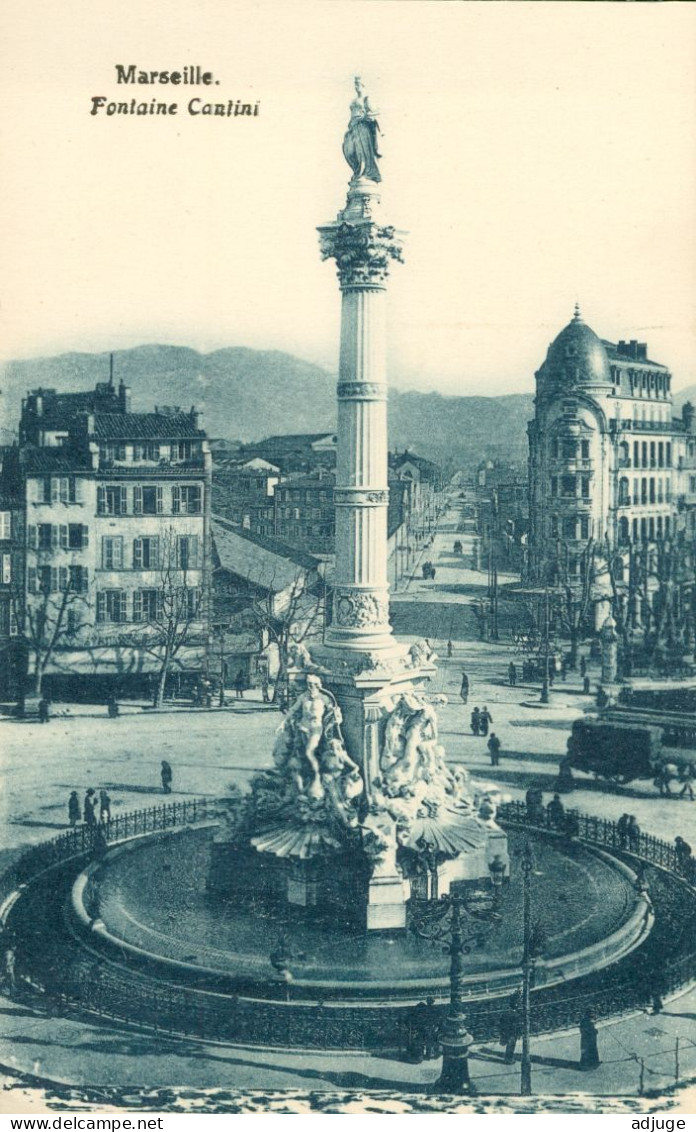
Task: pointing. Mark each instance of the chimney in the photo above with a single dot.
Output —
(124, 397)
(688, 416)
(642, 351)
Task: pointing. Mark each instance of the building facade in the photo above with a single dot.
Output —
(117, 576)
(606, 453)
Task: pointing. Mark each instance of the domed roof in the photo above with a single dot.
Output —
(577, 356)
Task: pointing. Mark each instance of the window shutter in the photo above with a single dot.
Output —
(54, 536)
(54, 580)
(137, 554)
(101, 606)
(64, 536)
(85, 537)
(78, 490)
(55, 490)
(118, 552)
(137, 605)
(154, 553)
(122, 605)
(137, 500)
(101, 501)
(32, 540)
(176, 500)
(64, 489)
(159, 498)
(84, 579)
(62, 578)
(124, 501)
(31, 580)
(156, 455)
(6, 569)
(193, 552)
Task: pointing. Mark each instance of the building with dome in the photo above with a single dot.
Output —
(608, 459)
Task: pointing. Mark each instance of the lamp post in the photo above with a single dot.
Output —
(531, 949)
(545, 681)
(459, 921)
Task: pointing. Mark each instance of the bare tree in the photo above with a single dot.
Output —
(289, 617)
(168, 615)
(48, 616)
(573, 593)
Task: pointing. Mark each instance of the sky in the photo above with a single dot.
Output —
(537, 154)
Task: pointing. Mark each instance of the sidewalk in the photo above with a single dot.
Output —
(73, 1052)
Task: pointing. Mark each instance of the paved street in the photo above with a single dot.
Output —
(208, 750)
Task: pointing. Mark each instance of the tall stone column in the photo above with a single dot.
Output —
(362, 248)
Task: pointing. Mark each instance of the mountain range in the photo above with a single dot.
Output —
(248, 394)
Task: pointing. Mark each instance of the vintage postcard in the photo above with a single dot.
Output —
(348, 550)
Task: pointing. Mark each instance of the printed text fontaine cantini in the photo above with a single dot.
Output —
(192, 75)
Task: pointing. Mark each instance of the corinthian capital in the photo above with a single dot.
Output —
(362, 252)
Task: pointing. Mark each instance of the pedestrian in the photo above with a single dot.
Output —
(88, 807)
(683, 851)
(583, 666)
(44, 712)
(104, 806)
(564, 668)
(510, 1027)
(485, 719)
(687, 779)
(512, 674)
(112, 707)
(264, 688)
(534, 800)
(658, 989)
(589, 1055)
(622, 830)
(662, 781)
(450, 648)
(633, 830)
(73, 809)
(464, 690)
(417, 1032)
(555, 813)
(476, 721)
(239, 684)
(494, 749)
(166, 776)
(572, 825)
(586, 685)
(432, 1030)
(9, 969)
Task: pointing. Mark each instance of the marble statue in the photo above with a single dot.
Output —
(360, 141)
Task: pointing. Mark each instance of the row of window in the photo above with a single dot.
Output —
(644, 530)
(571, 527)
(57, 579)
(567, 486)
(150, 451)
(117, 499)
(52, 536)
(288, 495)
(567, 447)
(148, 553)
(58, 489)
(119, 606)
(653, 454)
(647, 489)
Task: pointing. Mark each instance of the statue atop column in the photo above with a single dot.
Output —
(360, 141)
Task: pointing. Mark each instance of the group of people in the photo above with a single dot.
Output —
(552, 815)
(94, 810)
(481, 720)
(629, 833)
(511, 1024)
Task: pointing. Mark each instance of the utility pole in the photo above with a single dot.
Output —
(526, 1071)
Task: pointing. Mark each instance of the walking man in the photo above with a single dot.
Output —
(239, 684)
(464, 690)
(104, 806)
(89, 806)
(166, 776)
(485, 719)
(73, 809)
(476, 721)
(512, 674)
(687, 778)
(633, 830)
(510, 1027)
(556, 813)
(494, 749)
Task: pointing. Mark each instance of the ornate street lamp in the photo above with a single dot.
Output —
(460, 920)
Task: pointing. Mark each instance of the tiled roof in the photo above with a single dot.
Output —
(148, 426)
(49, 461)
(259, 561)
